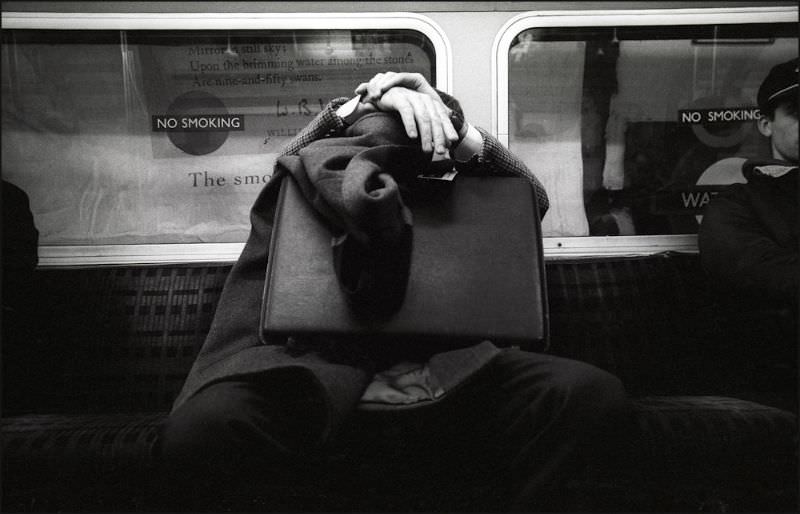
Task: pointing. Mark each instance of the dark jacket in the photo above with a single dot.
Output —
(358, 183)
(748, 238)
(339, 378)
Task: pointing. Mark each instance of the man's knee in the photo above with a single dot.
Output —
(201, 429)
(262, 421)
(593, 395)
(600, 387)
(596, 412)
(194, 426)
(575, 392)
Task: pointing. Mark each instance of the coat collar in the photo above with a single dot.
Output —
(767, 169)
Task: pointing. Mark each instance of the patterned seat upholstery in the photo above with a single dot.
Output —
(121, 341)
(74, 462)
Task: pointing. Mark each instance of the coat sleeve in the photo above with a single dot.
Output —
(324, 124)
(737, 250)
(496, 159)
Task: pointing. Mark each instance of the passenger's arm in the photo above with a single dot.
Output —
(325, 124)
(481, 152)
(737, 250)
(421, 108)
(473, 148)
(495, 159)
(382, 82)
(423, 116)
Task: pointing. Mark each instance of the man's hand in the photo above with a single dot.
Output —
(371, 91)
(420, 107)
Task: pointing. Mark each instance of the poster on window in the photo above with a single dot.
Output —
(155, 137)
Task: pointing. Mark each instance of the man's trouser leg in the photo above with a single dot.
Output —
(507, 439)
(233, 435)
(554, 416)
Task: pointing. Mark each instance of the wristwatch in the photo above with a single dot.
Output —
(457, 120)
(470, 144)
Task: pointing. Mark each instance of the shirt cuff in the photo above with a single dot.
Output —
(469, 146)
(347, 110)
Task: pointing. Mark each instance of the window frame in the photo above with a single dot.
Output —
(588, 246)
(170, 253)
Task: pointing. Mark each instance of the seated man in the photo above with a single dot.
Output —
(749, 245)
(260, 414)
(749, 235)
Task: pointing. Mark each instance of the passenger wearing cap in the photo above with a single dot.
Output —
(748, 238)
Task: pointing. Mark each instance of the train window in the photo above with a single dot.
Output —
(144, 138)
(634, 120)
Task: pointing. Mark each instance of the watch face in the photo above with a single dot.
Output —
(457, 121)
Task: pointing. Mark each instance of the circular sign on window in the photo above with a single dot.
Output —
(198, 122)
(720, 122)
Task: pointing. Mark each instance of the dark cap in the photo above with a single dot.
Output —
(780, 83)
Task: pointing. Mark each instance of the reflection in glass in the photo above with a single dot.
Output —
(633, 129)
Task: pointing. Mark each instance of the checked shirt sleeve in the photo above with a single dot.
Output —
(324, 124)
(496, 159)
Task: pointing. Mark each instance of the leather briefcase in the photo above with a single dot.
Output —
(476, 270)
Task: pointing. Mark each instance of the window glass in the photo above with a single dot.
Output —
(634, 129)
(130, 137)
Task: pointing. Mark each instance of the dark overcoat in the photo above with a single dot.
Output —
(748, 238)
